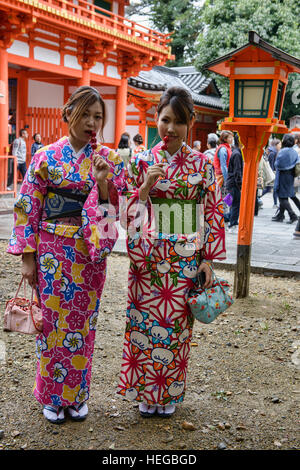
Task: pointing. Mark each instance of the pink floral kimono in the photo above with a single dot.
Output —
(163, 267)
(59, 217)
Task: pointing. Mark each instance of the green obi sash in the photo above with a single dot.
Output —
(175, 216)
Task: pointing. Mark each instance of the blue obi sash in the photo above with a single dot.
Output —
(60, 203)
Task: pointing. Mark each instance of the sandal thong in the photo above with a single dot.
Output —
(147, 411)
(165, 411)
(54, 414)
(78, 413)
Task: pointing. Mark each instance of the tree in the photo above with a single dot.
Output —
(179, 17)
(226, 25)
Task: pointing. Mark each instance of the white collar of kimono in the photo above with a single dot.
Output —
(170, 157)
(76, 154)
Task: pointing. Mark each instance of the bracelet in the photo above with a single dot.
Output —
(210, 263)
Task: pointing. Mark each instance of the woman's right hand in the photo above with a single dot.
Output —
(153, 173)
(29, 268)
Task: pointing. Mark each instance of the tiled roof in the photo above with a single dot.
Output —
(160, 78)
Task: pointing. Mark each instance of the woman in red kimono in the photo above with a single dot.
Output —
(175, 229)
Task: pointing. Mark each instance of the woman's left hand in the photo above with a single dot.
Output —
(101, 169)
(204, 267)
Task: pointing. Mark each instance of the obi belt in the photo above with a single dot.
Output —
(175, 216)
(60, 203)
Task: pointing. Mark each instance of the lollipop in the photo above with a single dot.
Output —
(165, 144)
(93, 140)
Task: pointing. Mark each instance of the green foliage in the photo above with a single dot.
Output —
(203, 33)
(227, 23)
(179, 17)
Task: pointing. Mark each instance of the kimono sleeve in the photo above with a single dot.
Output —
(28, 207)
(99, 217)
(214, 236)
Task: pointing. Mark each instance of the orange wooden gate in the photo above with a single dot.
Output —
(47, 122)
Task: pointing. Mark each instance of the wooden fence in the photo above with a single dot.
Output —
(47, 122)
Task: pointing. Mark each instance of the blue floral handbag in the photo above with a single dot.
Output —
(207, 304)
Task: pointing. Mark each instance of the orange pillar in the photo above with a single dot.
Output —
(121, 104)
(22, 109)
(142, 123)
(85, 79)
(253, 140)
(248, 194)
(4, 102)
(22, 102)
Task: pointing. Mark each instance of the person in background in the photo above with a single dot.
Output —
(234, 183)
(284, 180)
(297, 148)
(267, 176)
(222, 157)
(197, 146)
(19, 151)
(124, 149)
(221, 162)
(212, 142)
(272, 151)
(37, 144)
(138, 142)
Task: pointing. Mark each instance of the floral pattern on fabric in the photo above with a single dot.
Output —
(162, 271)
(71, 264)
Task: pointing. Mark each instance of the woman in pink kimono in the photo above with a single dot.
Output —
(175, 229)
(64, 229)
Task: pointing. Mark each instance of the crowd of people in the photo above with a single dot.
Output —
(65, 226)
(19, 150)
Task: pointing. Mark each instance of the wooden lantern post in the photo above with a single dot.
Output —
(258, 74)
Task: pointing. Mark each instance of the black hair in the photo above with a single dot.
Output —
(124, 142)
(288, 140)
(237, 141)
(181, 102)
(212, 142)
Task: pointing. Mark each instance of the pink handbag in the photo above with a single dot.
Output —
(22, 315)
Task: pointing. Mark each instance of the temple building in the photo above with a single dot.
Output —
(50, 47)
(145, 90)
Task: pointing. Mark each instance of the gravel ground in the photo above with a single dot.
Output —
(243, 384)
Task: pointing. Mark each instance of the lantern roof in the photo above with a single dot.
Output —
(256, 50)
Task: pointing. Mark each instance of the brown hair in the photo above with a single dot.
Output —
(224, 136)
(181, 102)
(76, 105)
(138, 139)
(297, 138)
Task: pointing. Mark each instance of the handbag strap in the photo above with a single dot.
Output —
(18, 289)
(31, 302)
(215, 277)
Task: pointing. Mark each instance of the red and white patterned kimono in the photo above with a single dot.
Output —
(162, 270)
(71, 261)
